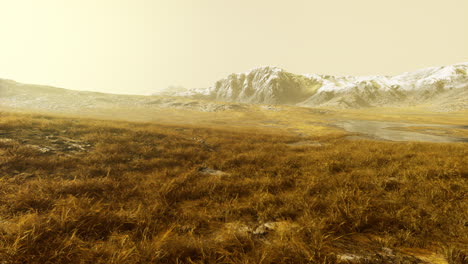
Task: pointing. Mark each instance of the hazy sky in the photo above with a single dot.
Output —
(139, 46)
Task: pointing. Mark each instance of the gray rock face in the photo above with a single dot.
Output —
(268, 85)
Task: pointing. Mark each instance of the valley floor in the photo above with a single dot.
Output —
(286, 190)
(395, 124)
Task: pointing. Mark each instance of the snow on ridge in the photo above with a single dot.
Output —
(273, 69)
(405, 81)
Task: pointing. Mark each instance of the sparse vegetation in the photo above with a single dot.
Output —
(90, 191)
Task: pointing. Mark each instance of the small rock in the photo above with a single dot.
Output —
(388, 251)
(44, 150)
(348, 257)
(280, 227)
(210, 171)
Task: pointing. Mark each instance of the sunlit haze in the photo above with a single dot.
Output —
(140, 46)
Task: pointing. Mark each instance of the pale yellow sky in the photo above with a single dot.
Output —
(139, 46)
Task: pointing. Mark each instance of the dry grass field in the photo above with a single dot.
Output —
(91, 191)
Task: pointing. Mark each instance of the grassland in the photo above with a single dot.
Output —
(91, 191)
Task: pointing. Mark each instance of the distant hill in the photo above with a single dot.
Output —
(14, 95)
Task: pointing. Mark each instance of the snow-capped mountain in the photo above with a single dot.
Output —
(272, 85)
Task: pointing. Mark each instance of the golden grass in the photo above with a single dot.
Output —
(455, 132)
(138, 193)
(416, 115)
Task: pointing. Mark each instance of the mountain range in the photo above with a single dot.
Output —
(436, 88)
(439, 87)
